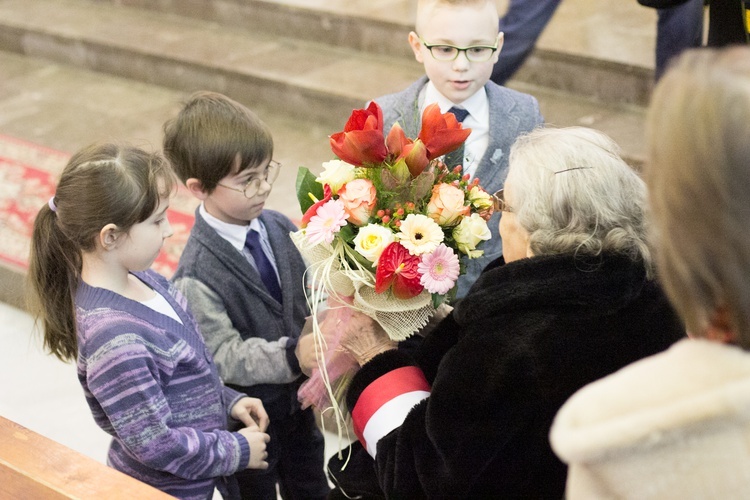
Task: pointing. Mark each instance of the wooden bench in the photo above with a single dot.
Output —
(32, 466)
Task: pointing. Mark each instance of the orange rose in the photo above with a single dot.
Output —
(446, 206)
(359, 198)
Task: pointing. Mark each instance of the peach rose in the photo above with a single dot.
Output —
(359, 198)
(446, 206)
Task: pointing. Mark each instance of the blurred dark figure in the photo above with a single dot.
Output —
(679, 27)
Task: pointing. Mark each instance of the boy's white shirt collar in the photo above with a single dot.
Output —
(477, 105)
(233, 233)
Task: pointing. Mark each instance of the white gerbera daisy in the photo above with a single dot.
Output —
(420, 234)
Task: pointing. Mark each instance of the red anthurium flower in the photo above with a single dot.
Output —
(441, 133)
(361, 142)
(398, 268)
(327, 193)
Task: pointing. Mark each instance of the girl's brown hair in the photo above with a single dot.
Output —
(101, 184)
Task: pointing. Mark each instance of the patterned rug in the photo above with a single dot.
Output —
(28, 175)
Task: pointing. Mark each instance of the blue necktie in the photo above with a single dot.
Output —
(456, 157)
(265, 268)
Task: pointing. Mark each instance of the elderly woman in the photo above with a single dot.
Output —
(468, 415)
(679, 421)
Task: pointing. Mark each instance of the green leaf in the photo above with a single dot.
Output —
(401, 172)
(307, 185)
(423, 185)
(347, 233)
(437, 299)
(388, 180)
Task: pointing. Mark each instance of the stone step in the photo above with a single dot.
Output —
(312, 81)
(602, 49)
(303, 79)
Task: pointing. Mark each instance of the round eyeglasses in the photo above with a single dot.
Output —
(270, 173)
(475, 53)
(499, 204)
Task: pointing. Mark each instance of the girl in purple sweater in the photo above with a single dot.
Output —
(147, 376)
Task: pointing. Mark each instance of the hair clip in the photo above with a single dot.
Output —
(52, 205)
(574, 168)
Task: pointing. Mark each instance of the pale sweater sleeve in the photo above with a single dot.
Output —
(123, 377)
(240, 362)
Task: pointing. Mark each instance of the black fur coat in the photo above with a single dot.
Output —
(529, 334)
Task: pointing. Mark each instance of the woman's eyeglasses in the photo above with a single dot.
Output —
(498, 200)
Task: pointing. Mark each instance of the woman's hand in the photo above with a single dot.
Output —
(250, 411)
(257, 441)
(364, 338)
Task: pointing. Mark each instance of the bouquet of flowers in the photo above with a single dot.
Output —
(384, 230)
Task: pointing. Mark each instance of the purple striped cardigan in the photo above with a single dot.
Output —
(152, 385)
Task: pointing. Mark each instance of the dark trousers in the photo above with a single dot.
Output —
(522, 24)
(678, 28)
(295, 462)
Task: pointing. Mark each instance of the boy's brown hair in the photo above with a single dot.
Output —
(205, 140)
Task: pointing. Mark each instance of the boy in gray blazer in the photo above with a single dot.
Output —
(243, 278)
(458, 43)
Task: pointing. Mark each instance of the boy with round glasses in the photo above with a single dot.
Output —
(243, 278)
(458, 43)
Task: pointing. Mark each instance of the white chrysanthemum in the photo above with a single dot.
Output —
(336, 173)
(371, 240)
(420, 234)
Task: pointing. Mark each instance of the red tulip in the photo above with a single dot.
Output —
(361, 142)
(414, 153)
(415, 156)
(327, 193)
(441, 133)
(397, 268)
(396, 140)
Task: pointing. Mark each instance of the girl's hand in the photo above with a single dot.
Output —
(250, 412)
(257, 441)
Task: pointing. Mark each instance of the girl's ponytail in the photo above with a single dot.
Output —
(54, 269)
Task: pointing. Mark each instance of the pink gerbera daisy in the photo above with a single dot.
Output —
(439, 270)
(327, 221)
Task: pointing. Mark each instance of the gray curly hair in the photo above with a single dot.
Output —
(573, 193)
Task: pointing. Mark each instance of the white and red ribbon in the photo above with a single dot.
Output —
(384, 404)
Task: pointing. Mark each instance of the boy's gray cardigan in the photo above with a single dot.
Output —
(252, 337)
(511, 114)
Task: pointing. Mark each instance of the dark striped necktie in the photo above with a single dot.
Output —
(265, 268)
(456, 157)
